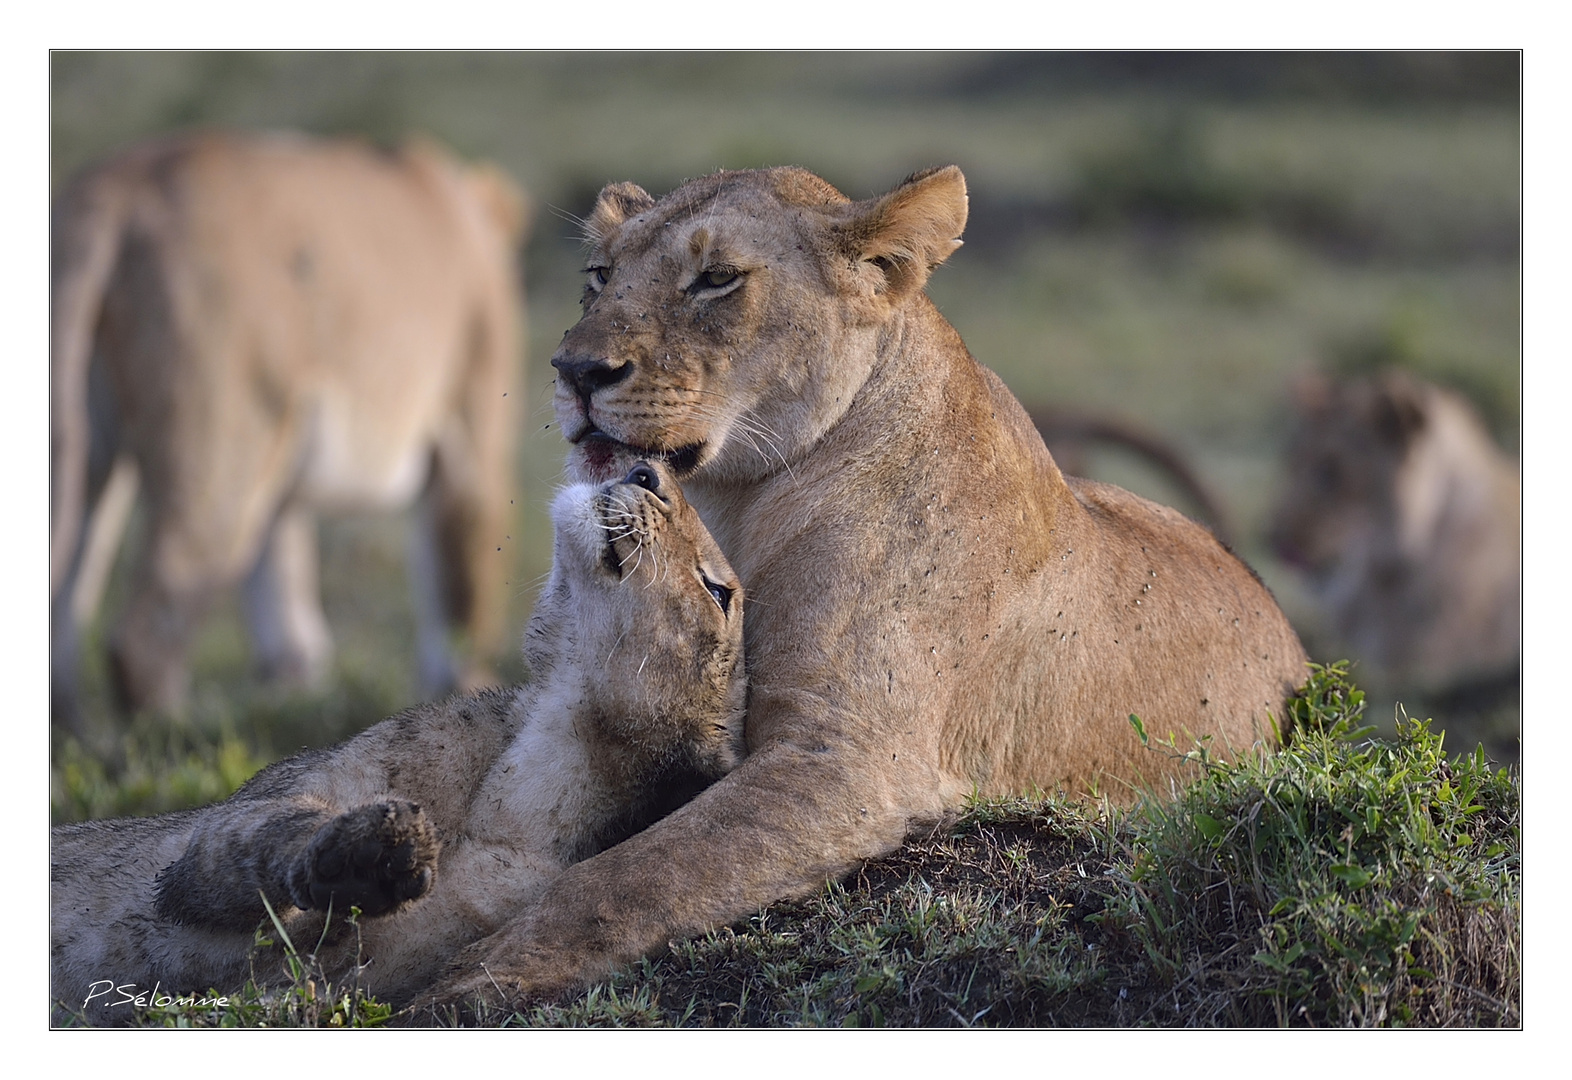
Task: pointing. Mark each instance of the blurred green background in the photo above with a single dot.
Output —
(1167, 238)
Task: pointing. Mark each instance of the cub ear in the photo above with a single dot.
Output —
(616, 204)
(911, 230)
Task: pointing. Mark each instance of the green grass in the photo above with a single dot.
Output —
(298, 996)
(1341, 882)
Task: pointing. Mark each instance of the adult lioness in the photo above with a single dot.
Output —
(254, 329)
(1406, 517)
(936, 610)
(439, 823)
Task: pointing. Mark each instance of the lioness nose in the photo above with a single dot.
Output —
(586, 374)
(645, 477)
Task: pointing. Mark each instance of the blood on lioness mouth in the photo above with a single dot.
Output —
(601, 455)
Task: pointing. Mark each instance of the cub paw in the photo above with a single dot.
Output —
(374, 857)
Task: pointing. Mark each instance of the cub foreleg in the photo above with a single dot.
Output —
(376, 856)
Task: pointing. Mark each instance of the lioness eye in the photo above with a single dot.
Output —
(599, 275)
(721, 594)
(716, 279)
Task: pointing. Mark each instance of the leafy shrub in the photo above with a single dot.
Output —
(1338, 882)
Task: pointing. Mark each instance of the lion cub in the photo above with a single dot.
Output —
(441, 822)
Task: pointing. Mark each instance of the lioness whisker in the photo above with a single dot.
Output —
(658, 573)
(746, 415)
(531, 585)
(750, 430)
(568, 216)
(617, 517)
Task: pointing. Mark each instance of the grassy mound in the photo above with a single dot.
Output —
(1343, 881)
(1340, 882)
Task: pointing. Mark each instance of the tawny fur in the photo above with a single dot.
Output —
(936, 610)
(1071, 433)
(441, 823)
(1407, 518)
(257, 328)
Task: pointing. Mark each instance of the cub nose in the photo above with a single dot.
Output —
(586, 374)
(645, 477)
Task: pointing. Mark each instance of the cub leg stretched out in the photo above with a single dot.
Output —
(441, 822)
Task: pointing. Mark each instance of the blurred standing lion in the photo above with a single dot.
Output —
(252, 329)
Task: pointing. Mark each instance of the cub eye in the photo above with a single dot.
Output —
(718, 278)
(721, 594)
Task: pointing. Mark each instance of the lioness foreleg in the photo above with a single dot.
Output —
(457, 566)
(779, 826)
(466, 504)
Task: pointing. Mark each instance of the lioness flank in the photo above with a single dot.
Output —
(934, 609)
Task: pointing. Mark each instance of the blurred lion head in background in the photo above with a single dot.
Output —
(1404, 515)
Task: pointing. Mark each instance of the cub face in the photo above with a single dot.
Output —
(652, 613)
(729, 325)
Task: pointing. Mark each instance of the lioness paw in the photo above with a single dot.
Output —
(375, 857)
(461, 1001)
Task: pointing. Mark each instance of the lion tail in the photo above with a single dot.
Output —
(1067, 430)
(88, 222)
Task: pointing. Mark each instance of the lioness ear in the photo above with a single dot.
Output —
(616, 204)
(911, 230)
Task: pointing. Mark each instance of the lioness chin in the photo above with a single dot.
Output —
(442, 823)
(936, 610)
